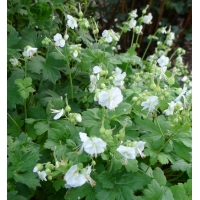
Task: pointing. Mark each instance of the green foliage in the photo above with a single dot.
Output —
(87, 120)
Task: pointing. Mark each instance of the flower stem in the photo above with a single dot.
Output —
(159, 127)
(70, 79)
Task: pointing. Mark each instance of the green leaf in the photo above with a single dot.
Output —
(58, 184)
(36, 64)
(159, 176)
(36, 112)
(182, 151)
(12, 39)
(28, 161)
(80, 192)
(13, 96)
(154, 191)
(148, 170)
(91, 117)
(132, 165)
(135, 181)
(28, 179)
(14, 196)
(41, 127)
(122, 109)
(180, 165)
(182, 191)
(118, 193)
(106, 179)
(163, 158)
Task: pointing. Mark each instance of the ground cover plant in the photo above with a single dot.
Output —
(86, 121)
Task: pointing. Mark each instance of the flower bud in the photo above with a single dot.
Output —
(93, 163)
(153, 86)
(49, 178)
(108, 132)
(171, 80)
(80, 14)
(68, 109)
(134, 98)
(103, 86)
(50, 166)
(48, 171)
(102, 130)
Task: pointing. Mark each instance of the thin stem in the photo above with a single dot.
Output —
(159, 127)
(146, 49)
(70, 79)
(132, 39)
(14, 122)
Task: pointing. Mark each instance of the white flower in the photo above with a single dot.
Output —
(93, 81)
(29, 51)
(57, 164)
(119, 80)
(71, 22)
(96, 69)
(162, 73)
(78, 117)
(110, 35)
(66, 36)
(138, 29)
(163, 61)
(73, 178)
(107, 36)
(170, 110)
(42, 175)
(35, 169)
(150, 103)
(127, 152)
(117, 71)
(86, 173)
(133, 14)
(182, 95)
(169, 42)
(110, 98)
(184, 78)
(132, 23)
(14, 61)
(171, 36)
(59, 41)
(59, 113)
(93, 145)
(147, 18)
(75, 49)
(139, 147)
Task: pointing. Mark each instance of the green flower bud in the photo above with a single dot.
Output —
(68, 109)
(93, 163)
(153, 86)
(95, 31)
(134, 98)
(80, 14)
(108, 132)
(103, 85)
(49, 178)
(171, 80)
(80, 165)
(48, 171)
(50, 166)
(39, 167)
(162, 98)
(111, 78)
(157, 89)
(102, 130)
(175, 120)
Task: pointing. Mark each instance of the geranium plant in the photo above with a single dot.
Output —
(88, 122)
